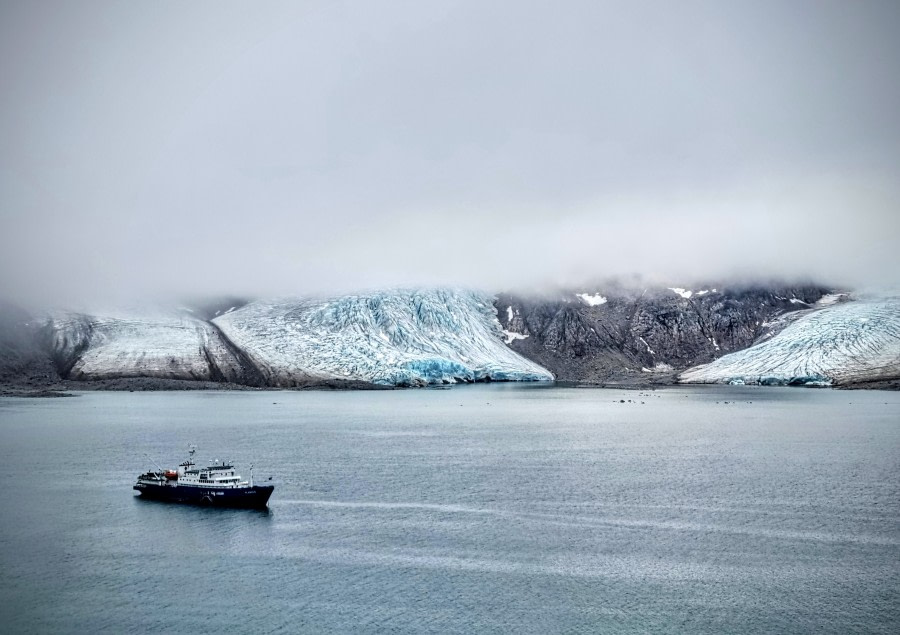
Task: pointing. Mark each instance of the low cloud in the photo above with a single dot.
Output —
(168, 151)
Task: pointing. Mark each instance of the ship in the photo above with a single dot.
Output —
(216, 485)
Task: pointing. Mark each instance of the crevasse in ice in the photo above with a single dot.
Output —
(404, 337)
(853, 341)
(146, 343)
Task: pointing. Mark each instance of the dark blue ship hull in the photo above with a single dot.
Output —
(256, 497)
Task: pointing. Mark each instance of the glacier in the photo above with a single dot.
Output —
(399, 338)
(833, 344)
(141, 343)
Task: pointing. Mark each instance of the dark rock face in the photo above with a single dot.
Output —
(620, 334)
(24, 362)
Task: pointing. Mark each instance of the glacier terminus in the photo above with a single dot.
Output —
(403, 338)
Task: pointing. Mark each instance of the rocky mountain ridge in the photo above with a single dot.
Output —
(619, 333)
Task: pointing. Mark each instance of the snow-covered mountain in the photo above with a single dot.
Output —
(831, 344)
(400, 338)
(598, 335)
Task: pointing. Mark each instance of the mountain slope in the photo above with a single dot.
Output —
(398, 338)
(848, 343)
(768, 334)
(23, 361)
(617, 333)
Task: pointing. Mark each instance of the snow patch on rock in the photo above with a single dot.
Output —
(512, 335)
(594, 299)
(658, 368)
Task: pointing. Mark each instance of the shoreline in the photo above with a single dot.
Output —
(67, 388)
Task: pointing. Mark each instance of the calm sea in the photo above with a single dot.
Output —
(500, 508)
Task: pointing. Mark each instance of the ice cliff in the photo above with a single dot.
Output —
(401, 338)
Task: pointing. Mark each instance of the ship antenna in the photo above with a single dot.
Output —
(191, 449)
(154, 462)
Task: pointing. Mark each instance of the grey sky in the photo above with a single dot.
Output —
(284, 148)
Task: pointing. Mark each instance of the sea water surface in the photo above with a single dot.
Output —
(479, 509)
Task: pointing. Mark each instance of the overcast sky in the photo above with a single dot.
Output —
(178, 148)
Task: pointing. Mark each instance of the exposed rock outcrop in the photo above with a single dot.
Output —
(616, 334)
(24, 362)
